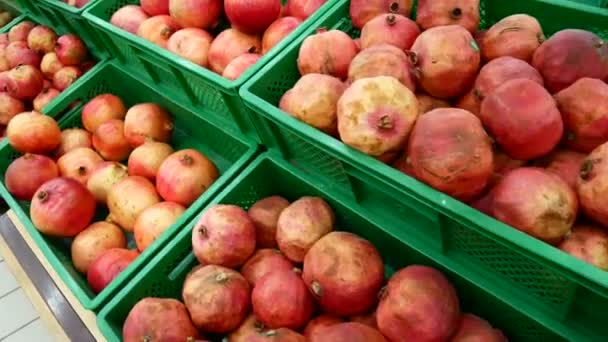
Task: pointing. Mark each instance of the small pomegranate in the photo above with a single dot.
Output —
(263, 262)
(327, 52)
(45, 97)
(517, 35)
(203, 14)
(65, 77)
(155, 7)
(591, 191)
(73, 138)
(252, 16)
(128, 198)
(129, 18)
(473, 328)
(230, 44)
(362, 11)
(191, 43)
(239, 65)
(27, 173)
(147, 121)
(32, 132)
(24, 82)
(103, 177)
(79, 163)
(302, 9)
(391, 29)
(42, 39)
(9, 108)
(107, 266)
(154, 221)
(100, 109)
(278, 30)
(18, 53)
(431, 13)
(93, 241)
(319, 323)
(146, 159)
(109, 140)
(348, 331)
(588, 243)
(382, 60)
(20, 31)
(158, 29)
(265, 215)
(70, 50)
(50, 64)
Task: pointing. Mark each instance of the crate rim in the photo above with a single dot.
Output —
(72, 9)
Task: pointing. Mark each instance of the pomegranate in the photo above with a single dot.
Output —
(217, 298)
(518, 35)
(230, 44)
(404, 164)
(391, 29)
(348, 331)
(523, 118)
(564, 163)
(250, 327)
(109, 140)
(224, 235)
(27, 173)
(9, 108)
(447, 59)
(427, 103)
(70, 50)
(79, 163)
(263, 262)
(158, 29)
(302, 9)
(265, 215)
(129, 18)
(50, 64)
(18, 53)
(103, 177)
(154, 221)
(592, 176)
(252, 16)
(431, 13)
(500, 70)
(42, 39)
(484, 203)
(344, 272)
(239, 65)
(45, 97)
(65, 77)
(551, 210)
(472, 328)
(368, 319)
(159, 319)
(32, 132)
(319, 323)
(362, 11)
(376, 115)
(147, 121)
(301, 224)
(569, 55)
(93, 241)
(382, 60)
(503, 164)
(107, 266)
(100, 109)
(155, 7)
(419, 304)
(313, 100)
(20, 31)
(192, 44)
(202, 14)
(23, 82)
(278, 30)
(327, 52)
(146, 159)
(588, 243)
(451, 152)
(73, 138)
(128, 198)
(583, 106)
(62, 207)
(276, 335)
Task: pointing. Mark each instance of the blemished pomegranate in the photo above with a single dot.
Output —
(473, 328)
(588, 243)
(362, 11)
(327, 52)
(50, 64)
(9, 107)
(313, 100)
(103, 177)
(110, 141)
(79, 163)
(45, 97)
(23, 82)
(431, 13)
(418, 303)
(107, 266)
(158, 29)
(551, 210)
(20, 31)
(27, 173)
(100, 109)
(517, 35)
(32, 132)
(391, 29)
(154, 221)
(42, 39)
(230, 44)
(344, 272)
(191, 43)
(129, 18)
(130, 197)
(348, 331)
(302, 9)
(591, 192)
(278, 30)
(93, 241)
(70, 50)
(250, 327)
(224, 235)
(62, 207)
(217, 298)
(159, 319)
(382, 60)
(18, 53)
(264, 261)
(65, 77)
(73, 138)
(145, 122)
(252, 16)
(155, 7)
(239, 65)
(265, 215)
(202, 14)
(316, 325)
(146, 159)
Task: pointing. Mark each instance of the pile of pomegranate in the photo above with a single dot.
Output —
(505, 119)
(185, 28)
(281, 272)
(120, 162)
(36, 65)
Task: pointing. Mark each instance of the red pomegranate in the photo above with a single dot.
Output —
(302, 9)
(278, 30)
(128, 198)
(32, 132)
(78, 164)
(191, 43)
(42, 39)
(391, 29)
(146, 159)
(103, 177)
(592, 177)
(348, 331)
(263, 262)
(249, 328)
(45, 97)
(564, 163)
(20, 31)
(154, 221)
(265, 215)
(100, 109)
(129, 18)
(93, 241)
(110, 141)
(517, 35)
(27, 173)
(50, 64)
(327, 52)
(23, 82)
(202, 14)
(588, 243)
(9, 108)
(145, 122)
(500, 70)
(158, 29)
(239, 65)
(70, 50)
(155, 7)
(18, 53)
(382, 60)
(362, 11)
(473, 328)
(317, 324)
(73, 138)
(431, 13)
(230, 44)
(62, 207)
(65, 77)
(107, 266)
(252, 16)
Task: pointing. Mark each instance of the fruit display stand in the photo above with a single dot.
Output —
(200, 87)
(193, 128)
(565, 293)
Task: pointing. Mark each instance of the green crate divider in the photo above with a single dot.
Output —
(229, 152)
(563, 287)
(16, 20)
(200, 86)
(596, 3)
(271, 175)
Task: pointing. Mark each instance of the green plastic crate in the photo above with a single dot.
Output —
(269, 175)
(230, 154)
(200, 86)
(596, 3)
(560, 287)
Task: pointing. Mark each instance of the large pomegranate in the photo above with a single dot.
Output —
(473, 328)
(382, 60)
(27, 173)
(313, 100)
(564, 163)
(264, 261)
(184, 176)
(130, 197)
(517, 35)
(18, 53)
(62, 207)
(110, 141)
(317, 324)
(147, 121)
(129, 18)
(327, 52)
(447, 58)
(230, 44)
(100, 109)
(376, 115)
(158, 29)
(252, 16)
(450, 151)
(159, 319)
(23, 82)
(348, 331)
(303, 9)
(192, 44)
(217, 298)
(500, 70)
(224, 235)
(362, 11)
(32, 132)
(431, 13)
(9, 108)
(344, 273)
(265, 215)
(202, 14)
(588, 243)
(93, 241)
(391, 29)
(591, 191)
(103, 177)
(278, 30)
(569, 55)
(155, 7)
(239, 65)
(107, 266)
(73, 138)
(70, 50)
(418, 304)
(79, 163)
(550, 210)
(154, 221)
(42, 39)
(146, 159)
